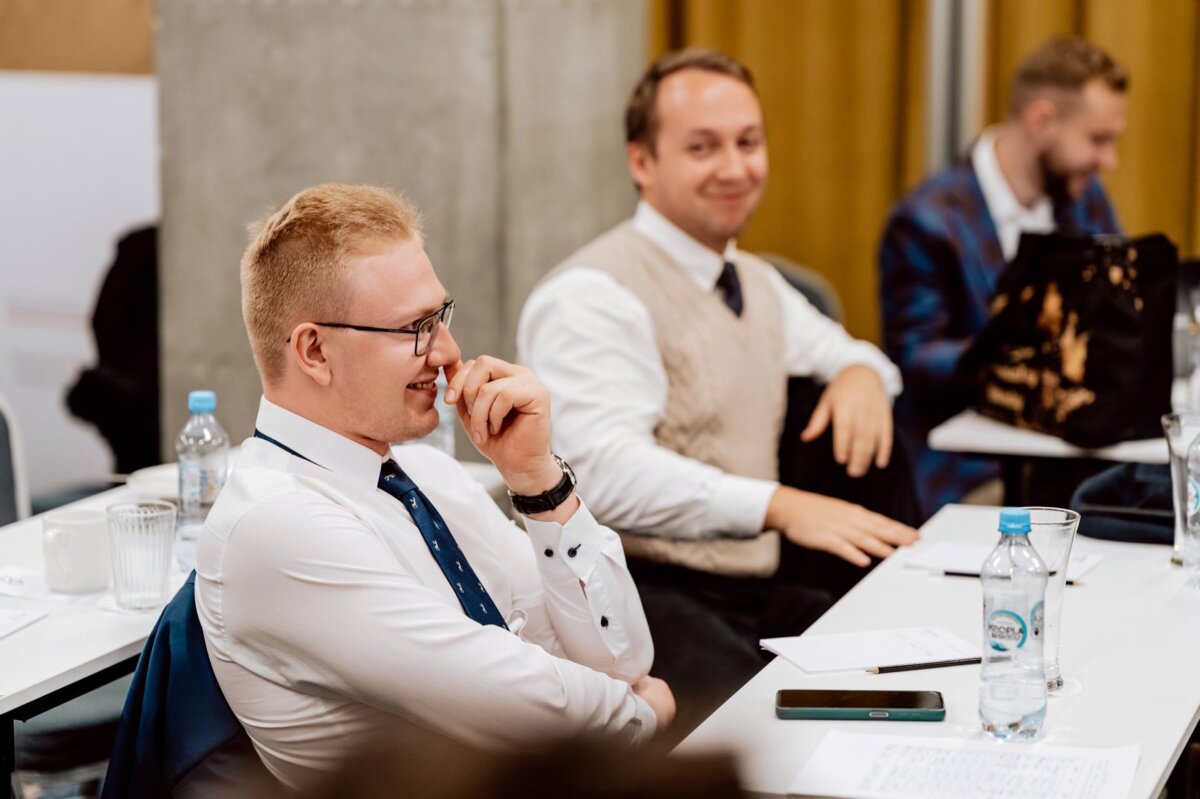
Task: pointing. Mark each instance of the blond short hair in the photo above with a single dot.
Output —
(296, 265)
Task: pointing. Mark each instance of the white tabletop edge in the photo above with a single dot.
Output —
(970, 431)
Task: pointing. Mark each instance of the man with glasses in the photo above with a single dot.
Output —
(668, 351)
(346, 587)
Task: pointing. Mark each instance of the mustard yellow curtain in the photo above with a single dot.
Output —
(841, 84)
(1157, 185)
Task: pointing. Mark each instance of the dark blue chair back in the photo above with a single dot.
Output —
(175, 715)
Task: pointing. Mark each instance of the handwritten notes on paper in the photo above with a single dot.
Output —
(861, 651)
(910, 767)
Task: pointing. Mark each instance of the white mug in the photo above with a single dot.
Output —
(75, 549)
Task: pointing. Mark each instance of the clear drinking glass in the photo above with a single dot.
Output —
(141, 536)
(1181, 430)
(1052, 531)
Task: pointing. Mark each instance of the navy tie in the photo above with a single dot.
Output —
(470, 591)
(731, 287)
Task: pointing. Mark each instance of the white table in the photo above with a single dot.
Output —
(970, 431)
(1130, 654)
(79, 646)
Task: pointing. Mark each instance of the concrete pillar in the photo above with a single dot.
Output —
(501, 119)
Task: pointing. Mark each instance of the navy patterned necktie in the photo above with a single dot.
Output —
(467, 587)
(731, 288)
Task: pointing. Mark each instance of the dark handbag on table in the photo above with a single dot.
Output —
(1079, 342)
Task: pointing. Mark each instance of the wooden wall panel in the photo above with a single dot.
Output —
(77, 35)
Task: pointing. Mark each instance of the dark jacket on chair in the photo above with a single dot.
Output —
(175, 715)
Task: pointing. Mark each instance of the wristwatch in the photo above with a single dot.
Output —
(547, 500)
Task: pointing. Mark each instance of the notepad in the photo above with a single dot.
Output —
(861, 651)
(12, 620)
(958, 556)
(847, 764)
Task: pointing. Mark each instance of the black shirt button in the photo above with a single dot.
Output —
(604, 621)
(549, 553)
(571, 552)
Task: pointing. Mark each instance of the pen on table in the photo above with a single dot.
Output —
(976, 575)
(933, 664)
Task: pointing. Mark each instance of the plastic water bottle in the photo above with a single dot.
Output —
(1012, 679)
(1189, 548)
(203, 452)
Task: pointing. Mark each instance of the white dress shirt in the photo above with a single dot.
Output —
(591, 341)
(1008, 215)
(328, 621)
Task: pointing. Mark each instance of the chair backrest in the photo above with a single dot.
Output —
(14, 491)
(815, 287)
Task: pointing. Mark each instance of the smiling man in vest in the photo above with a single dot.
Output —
(668, 352)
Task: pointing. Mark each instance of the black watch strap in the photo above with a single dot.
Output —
(547, 500)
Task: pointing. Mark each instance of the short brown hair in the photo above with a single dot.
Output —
(641, 115)
(1067, 63)
(294, 269)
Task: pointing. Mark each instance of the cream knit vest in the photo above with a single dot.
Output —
(727, 386)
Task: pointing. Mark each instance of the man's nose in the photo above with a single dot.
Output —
(733, 164)
(445, 349)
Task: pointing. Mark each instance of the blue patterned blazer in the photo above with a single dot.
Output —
(939, 261)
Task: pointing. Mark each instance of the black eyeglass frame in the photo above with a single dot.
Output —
(443, 316)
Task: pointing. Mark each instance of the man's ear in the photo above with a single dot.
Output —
(1040, 118)
(640, 160)
(306, 348)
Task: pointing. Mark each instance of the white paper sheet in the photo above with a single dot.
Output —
(957, 556)
(848, 764)
(13, 620)
(861, 651)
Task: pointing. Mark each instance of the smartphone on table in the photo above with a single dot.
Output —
(865, 705)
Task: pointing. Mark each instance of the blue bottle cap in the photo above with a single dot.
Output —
(202, 401)
(1014, 521)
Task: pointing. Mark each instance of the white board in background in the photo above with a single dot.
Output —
(79, 167)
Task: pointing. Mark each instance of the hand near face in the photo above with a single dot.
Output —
(857, 405)
(506, 413)
(841, 528)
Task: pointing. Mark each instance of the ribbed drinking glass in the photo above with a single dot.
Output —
(141, 536)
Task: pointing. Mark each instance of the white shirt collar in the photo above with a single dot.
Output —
(1009, 217)
(1001, 202)
(701, 263)
(319, 444)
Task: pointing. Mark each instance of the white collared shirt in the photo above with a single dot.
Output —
(1008, 215)
(328, 621)
(591, 341)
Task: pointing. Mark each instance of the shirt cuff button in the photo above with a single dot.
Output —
(604, 621)
(549, 553)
